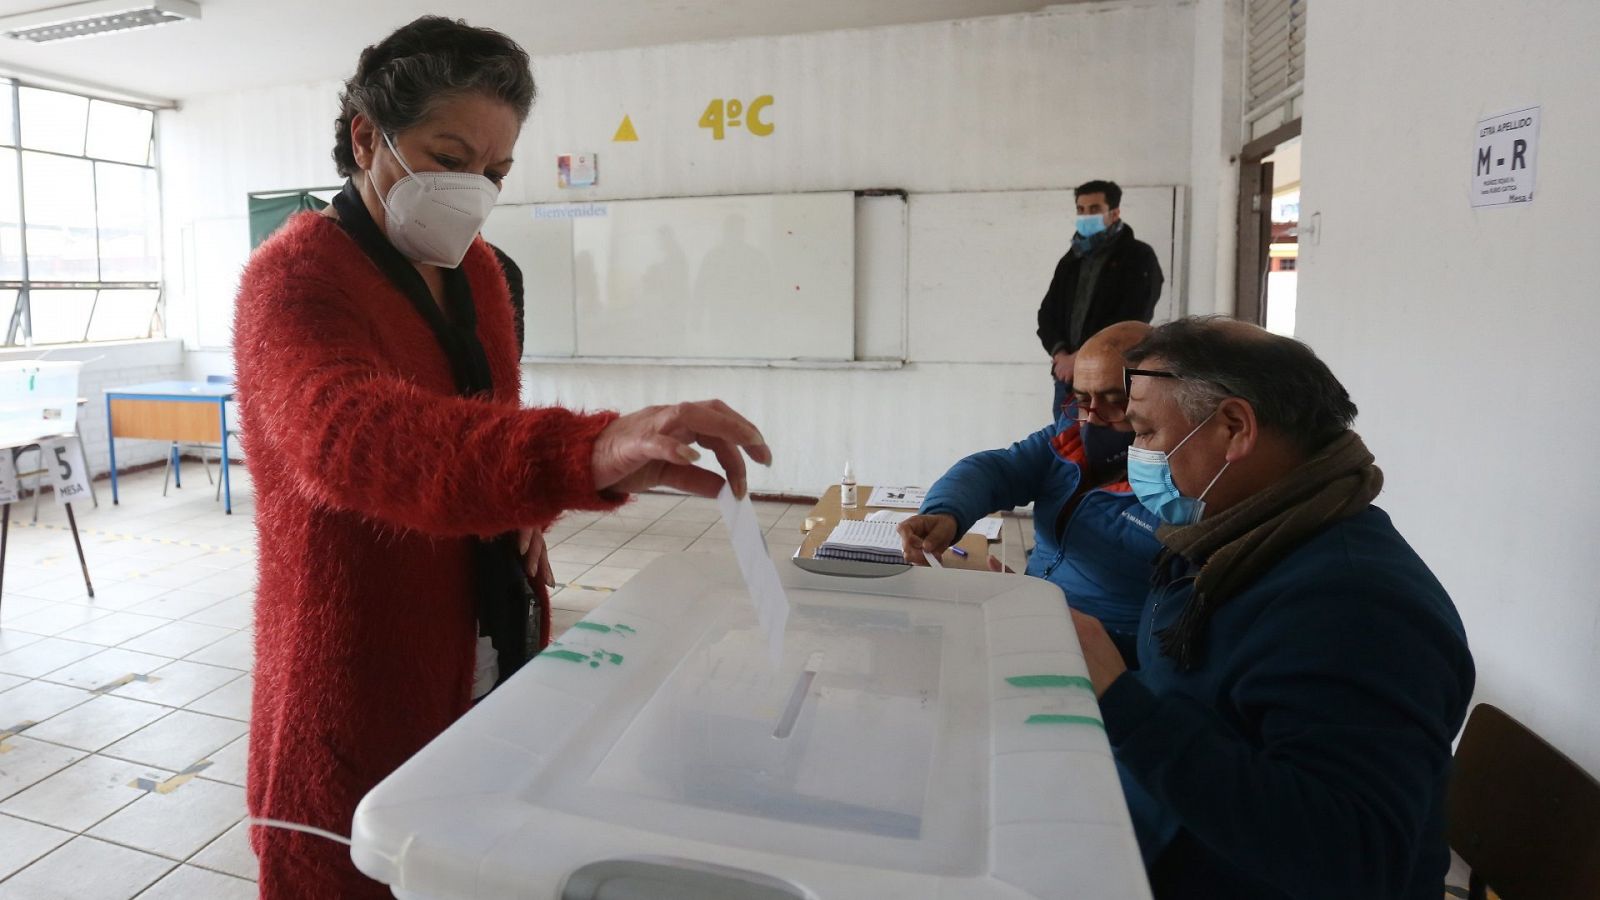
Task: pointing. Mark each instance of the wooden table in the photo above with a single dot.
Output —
(183, 412)
(827, 509)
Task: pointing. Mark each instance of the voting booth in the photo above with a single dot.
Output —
(37, 398)
(927, 735)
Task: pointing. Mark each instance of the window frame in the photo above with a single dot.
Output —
(19, 327)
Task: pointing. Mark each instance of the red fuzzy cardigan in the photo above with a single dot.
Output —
(371, 478)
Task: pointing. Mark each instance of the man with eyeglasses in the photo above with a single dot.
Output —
(1091, 537)
(1287, 733)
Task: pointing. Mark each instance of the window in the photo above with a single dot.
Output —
(80, 218)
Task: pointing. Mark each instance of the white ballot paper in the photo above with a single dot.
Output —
(755, 564)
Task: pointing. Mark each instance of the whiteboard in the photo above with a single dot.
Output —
(542, 249)
(980, 263)
(748, 277)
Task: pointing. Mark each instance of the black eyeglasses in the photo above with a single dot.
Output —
(1127, 376)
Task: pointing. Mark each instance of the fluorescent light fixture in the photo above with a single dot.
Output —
(76, 20)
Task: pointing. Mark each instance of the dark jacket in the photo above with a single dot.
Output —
(1098, 552)
(1307, 753)
(1129, 286)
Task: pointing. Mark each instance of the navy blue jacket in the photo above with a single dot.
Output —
(1306, 755)
(1102, 556)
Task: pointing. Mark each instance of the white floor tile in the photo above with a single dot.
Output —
(230, 763)
(232, 700)
(86, 869)
(230, 582)
(99, 722)
(114, 628)
(567, 572)
(14, 606)
(26, 762)
(178, 740)
(178, 684)
(234, 612)
(176, 824)
(230, 853)
(661, 543)
(11, 639)
(82, 794)
(688, 513)
(177, 604)
(676, 528)
(622, 524)
(578, 600)
(236, 651)
(67, 587)
(176, 639)
(56, 618)
(118, 596)
(709, 545)
(606, 577)
(589, 537)
(578, 553)
(633, 559)
(104, 667)
(189, 883)
(37, 701)
(22, 842)
(7, 682)
(47, 655)
(173, 577)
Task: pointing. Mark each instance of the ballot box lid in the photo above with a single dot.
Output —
(931, 734)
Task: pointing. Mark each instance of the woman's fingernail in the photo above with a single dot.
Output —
(689, 454)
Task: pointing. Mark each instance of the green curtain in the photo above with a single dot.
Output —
(268, 211)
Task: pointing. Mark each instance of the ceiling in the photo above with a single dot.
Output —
(240, 44)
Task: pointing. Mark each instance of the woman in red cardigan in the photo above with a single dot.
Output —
(401, 487)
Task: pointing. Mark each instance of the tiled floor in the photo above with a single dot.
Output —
(123, 718)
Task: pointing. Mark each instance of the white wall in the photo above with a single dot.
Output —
(1467, 336)
(1006, 103)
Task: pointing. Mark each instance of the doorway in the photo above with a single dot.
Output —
(1269, 229)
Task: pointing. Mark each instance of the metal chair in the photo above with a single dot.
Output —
(1522, 815)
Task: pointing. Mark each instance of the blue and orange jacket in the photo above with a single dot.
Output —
(1100, 554)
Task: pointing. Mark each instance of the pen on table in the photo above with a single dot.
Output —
(959, 552)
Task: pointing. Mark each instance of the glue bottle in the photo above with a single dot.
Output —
(847, 488)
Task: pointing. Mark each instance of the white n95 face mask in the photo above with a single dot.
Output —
(432, 217)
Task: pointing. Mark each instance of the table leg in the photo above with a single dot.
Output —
(111, 443)
(227, 488)
(177, 466)
(78, 542)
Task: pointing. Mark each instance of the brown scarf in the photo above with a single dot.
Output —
(1239, 544)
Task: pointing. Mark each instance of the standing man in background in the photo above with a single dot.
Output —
(1107, 277)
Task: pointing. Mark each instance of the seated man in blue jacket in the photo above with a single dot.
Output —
(1091, 537)
(1302, 673)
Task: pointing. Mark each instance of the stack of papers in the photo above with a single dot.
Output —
(863, 541)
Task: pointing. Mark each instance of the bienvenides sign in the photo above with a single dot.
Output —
(1505, 158)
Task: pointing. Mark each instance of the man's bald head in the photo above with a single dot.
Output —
(1113, 341)
(1097, 372)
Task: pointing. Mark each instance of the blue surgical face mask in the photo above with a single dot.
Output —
(1150, 474)
(1089, 226)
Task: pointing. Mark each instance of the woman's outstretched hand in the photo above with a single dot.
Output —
(651, 448)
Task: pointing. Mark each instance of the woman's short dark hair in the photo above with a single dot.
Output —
(399, 79)
(1290, 389)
